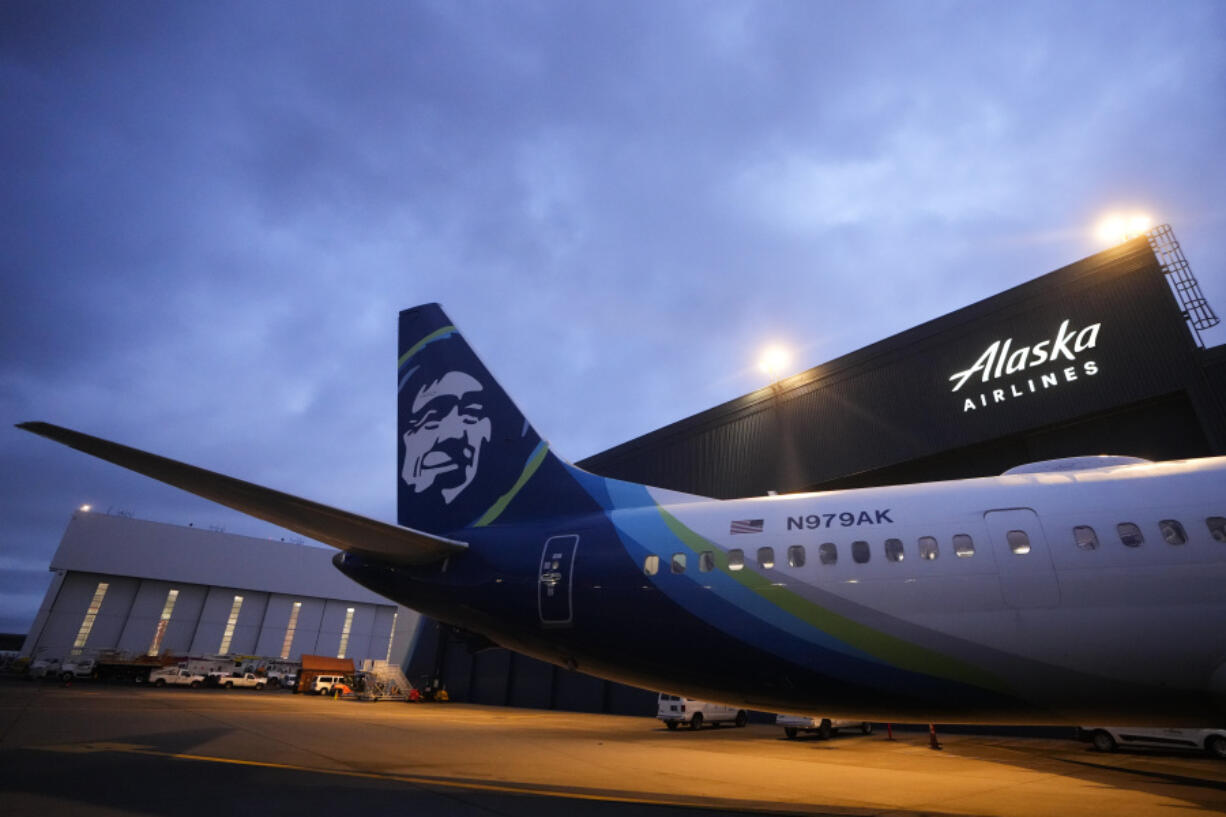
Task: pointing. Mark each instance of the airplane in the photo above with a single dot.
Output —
(1063, 592)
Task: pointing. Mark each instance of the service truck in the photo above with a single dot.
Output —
(76, 668)
(247, 680)
(675, 710)
(824, 727)
(176, 676)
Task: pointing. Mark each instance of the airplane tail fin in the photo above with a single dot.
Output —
(467, 457)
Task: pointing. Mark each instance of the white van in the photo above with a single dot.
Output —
(675, 710)
(324, 684)
(824, 727)
(1110, 738)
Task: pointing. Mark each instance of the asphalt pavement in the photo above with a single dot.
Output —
(93, 749)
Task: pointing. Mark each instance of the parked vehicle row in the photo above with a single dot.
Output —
(87, 668)
(675, 711)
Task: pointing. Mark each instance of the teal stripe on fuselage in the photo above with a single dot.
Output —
(645, 524)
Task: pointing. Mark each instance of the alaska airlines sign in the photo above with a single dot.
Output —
(1020, 371)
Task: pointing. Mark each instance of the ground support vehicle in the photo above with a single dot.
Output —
(1110, 738)
(43, 668)
(116, 667)
(382, 681)
(241, 680)
(276, 679)
(674, 711)
(76, 668)
(327, 684)
(793, 725)
(176, 676)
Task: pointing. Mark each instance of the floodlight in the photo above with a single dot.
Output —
(1116, 229)
(774, 361)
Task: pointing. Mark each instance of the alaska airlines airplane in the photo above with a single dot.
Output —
(1073, 591)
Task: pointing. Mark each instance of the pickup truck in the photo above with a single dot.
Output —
(76, 668)
(824, 727)
(247, 680)
(176, 676)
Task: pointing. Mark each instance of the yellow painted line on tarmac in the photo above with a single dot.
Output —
(422, 780)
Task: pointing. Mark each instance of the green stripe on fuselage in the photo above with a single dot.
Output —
(884, 647)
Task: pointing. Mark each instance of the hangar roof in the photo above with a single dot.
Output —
(122, 546)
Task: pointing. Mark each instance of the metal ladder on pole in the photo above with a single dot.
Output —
(1196, 310)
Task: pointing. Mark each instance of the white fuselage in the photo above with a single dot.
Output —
(1075, 606)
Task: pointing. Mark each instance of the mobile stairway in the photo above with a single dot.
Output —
(383, 681)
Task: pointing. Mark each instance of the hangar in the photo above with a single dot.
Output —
(1104, 355)
(149, 588)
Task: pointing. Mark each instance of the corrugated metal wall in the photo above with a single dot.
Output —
(892, 403)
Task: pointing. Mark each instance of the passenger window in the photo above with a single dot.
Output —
(828, 554)
(766, 558)
(736, 559)
(1018, 541)
(893, 550)
(928, 548)
(796, 556)
(859, 552)
(1217, 527)
(1085, 537)
(651, 565)
(1173, 532)
(1130, 534)
(964, 546)
(706, 561)
(678, 564)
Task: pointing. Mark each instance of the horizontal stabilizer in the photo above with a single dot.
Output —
(332, 526)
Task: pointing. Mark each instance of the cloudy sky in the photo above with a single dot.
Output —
(212, 212)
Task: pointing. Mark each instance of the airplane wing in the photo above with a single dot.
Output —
(332, 526)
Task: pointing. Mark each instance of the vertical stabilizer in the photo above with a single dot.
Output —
(467, 456)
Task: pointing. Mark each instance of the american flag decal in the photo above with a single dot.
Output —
(746, 526)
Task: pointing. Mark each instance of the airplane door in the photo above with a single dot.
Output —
(553, 590)
(1027, 575)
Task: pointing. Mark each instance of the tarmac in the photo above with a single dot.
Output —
(94, 749)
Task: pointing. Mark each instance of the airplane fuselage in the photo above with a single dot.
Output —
(1039, 598)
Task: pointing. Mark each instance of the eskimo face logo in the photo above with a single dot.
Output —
(448, 426)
